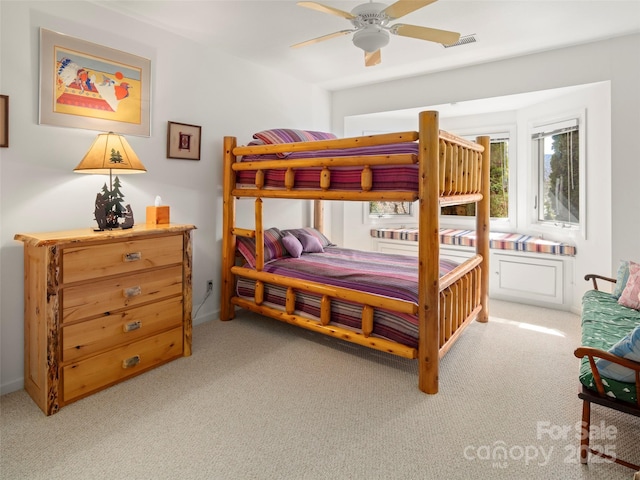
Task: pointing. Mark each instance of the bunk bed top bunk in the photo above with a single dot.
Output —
(429, 165)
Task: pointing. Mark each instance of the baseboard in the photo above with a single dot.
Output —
(13, 386)
(206, 317)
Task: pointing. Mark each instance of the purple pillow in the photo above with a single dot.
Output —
(293, 245)
(310, 244)
(296, 232)
(275, 136)
(321, 135)
(273, 247)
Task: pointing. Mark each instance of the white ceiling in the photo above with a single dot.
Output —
(262, 31)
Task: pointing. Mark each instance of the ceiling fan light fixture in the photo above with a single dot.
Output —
(371, 26)
(371, 39)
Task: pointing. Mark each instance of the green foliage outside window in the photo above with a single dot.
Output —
(561, 178)
(499, 188)
(385, 209)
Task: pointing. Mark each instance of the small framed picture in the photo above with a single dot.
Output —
(4, 121)
(183, 141)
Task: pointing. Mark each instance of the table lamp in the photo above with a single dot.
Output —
(110, 152)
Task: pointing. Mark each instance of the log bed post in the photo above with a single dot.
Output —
(318, 215)
(259, 235)
(429, 253)
(228, 225)
(483, 219)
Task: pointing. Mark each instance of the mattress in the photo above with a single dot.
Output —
(385, 177)
(394, 276)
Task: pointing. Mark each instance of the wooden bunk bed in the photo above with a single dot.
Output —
(449, 170)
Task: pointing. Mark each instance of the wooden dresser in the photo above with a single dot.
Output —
(101, 307)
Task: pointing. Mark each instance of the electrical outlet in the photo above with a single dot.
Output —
(209, 285)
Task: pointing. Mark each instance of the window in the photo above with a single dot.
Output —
(557, 153)
(390, 213)
(499, 178)
(390, 209)
(502, 176)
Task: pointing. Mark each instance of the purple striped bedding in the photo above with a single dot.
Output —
(394, 276)
(400, 178)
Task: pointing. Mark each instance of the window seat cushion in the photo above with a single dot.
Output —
(467, 238)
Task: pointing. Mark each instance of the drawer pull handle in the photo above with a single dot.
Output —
(132, 292)
(131, 326)
(133, 256)
(131, 362)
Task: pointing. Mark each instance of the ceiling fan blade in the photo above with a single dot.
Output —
(322, 38)
(372, 59)
(425, 33)
(326, 9)
(404, 7)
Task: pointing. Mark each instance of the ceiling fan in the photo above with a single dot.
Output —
(371, 26)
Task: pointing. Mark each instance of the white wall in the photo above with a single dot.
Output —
(190, 84)
(616, 60)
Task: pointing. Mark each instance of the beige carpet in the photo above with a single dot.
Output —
(264, 400)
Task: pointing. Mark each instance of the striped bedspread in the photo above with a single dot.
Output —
(394, 276)
(467, 238)
(400, 177)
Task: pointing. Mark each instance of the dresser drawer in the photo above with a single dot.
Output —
(84, 377)
(96, 261)
(100, 298)
(92, 336)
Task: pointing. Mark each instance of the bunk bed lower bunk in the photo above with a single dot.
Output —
(437, 299)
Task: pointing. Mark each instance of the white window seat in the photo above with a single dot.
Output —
(467, 238)
(523, 268)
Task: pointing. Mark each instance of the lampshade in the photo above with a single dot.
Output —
(109, 153)
(371, 39)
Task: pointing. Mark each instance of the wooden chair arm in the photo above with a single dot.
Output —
(594, 353)
(594, 278)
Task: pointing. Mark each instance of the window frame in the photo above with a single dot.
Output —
(550, 124)
(401, 220)
(508, 223)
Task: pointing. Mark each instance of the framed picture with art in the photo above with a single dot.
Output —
(4, 121)
(183, 141)
(85, 85)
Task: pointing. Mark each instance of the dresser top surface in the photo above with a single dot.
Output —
(88, 234)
